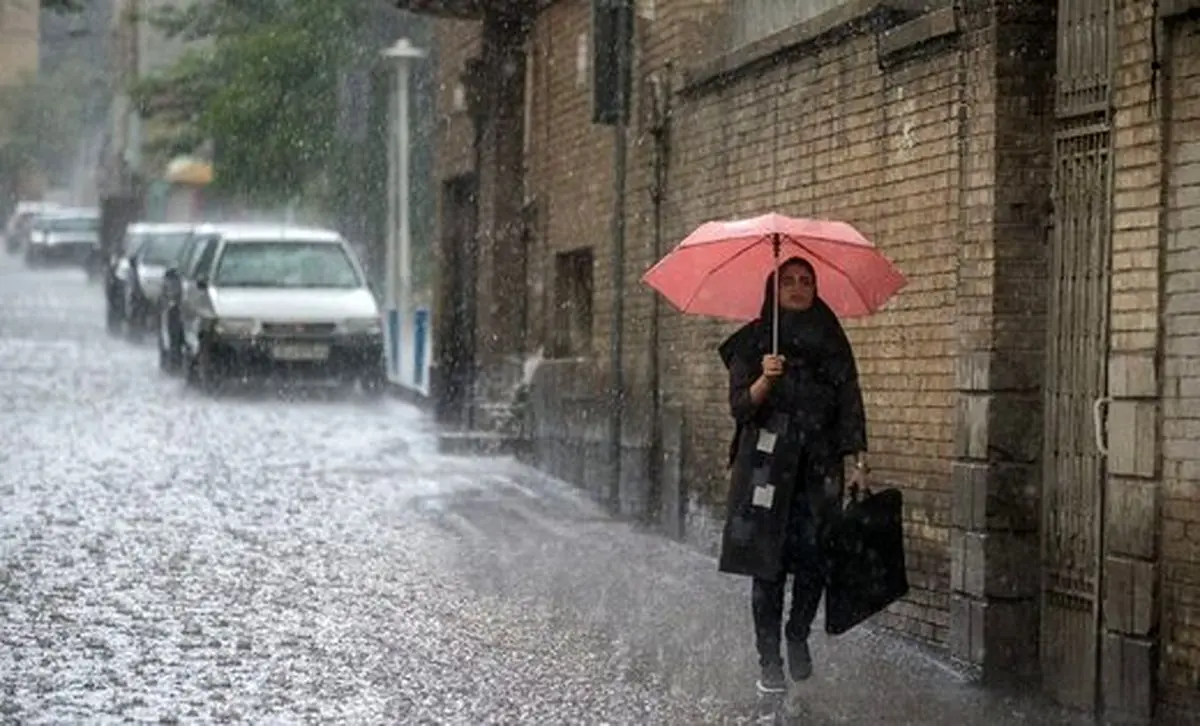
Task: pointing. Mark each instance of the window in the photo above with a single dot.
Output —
(286, 265)
(751, 20)
(573, 303)
(202, 264)
(196, 247)
(132, 242)
(163, 250)
(68, 224)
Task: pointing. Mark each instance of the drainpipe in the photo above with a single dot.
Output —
(658, 192)
(616, 340)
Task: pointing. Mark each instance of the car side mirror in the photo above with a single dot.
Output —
(171, 275)
(201, 282)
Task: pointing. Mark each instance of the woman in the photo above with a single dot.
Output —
(799, 417)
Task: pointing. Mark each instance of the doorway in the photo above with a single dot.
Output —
(1076, 375)
(455, 339)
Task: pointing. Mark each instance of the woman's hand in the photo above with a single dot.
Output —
(859, 474)
(858, 478)
(772, 366)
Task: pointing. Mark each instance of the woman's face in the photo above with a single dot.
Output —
(797, 287)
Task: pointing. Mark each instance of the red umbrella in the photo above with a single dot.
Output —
(718, 270)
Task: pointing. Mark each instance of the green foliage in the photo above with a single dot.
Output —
(262, 86)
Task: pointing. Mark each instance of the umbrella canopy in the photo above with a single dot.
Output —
(719, 269)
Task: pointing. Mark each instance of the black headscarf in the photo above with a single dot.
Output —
(815, 347)
(814, 336)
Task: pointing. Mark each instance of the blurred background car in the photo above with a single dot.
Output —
(63, 235)
(20, 222)
(134, 276)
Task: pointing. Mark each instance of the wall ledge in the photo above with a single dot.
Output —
(1173, 9)
(856, 17)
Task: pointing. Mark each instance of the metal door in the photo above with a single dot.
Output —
(1077, 353)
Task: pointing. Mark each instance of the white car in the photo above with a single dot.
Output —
(264, 300)
(135, 280)
(63, 235)
(16, 232)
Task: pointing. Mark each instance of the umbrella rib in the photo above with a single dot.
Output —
(717, 268)
(849, 278)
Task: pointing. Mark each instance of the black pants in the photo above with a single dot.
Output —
(804, 558)
(767, 603)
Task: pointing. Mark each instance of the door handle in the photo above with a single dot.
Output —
(1099, 406)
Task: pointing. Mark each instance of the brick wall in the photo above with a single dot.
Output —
(1180, 667)
(941, 154)
(569, 165)
(828, 133)
(831, 135)
(455, 42)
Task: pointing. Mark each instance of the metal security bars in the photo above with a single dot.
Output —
(1077, 353)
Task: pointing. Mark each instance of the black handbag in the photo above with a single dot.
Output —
(867, 572)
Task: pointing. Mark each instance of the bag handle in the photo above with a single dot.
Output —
(858, 494)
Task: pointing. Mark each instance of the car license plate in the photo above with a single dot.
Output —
(300, 352)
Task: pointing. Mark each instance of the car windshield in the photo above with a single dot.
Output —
(68, 224)
(163, 250)
(285, 264)
(134, 242)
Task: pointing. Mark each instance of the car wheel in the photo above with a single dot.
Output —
(168, 353)
(202, 373)
(112, 318)
(134, 317)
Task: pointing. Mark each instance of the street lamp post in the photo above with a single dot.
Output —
(398, 258)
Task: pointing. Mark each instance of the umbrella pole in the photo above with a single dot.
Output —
(775, 303)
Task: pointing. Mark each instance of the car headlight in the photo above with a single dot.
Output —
(363, 325)
(236, 326)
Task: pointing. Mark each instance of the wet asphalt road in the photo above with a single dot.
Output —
(171, 558)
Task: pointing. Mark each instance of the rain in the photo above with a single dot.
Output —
(606, 362)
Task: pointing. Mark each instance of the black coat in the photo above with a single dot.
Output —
(815, 412)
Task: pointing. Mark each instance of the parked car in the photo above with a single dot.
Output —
(16, 232)
(134, 274)
(267, 301)
(68, 235)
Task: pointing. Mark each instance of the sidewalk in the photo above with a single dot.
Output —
(672, 617)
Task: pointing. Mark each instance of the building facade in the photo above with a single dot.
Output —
(18, 41)
(19, 29)
(1035, 391)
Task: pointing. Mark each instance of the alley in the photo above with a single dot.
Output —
(171, 558)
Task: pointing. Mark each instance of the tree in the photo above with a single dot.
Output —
(262, 87)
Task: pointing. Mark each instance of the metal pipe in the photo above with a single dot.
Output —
(616, 377)
(657, 199)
